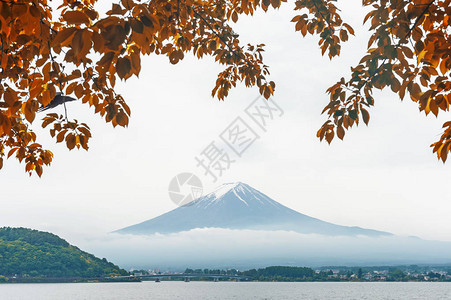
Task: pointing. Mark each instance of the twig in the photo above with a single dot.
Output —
(65, 111)
(220, 37)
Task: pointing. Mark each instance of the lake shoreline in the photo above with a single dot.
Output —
(19, 280)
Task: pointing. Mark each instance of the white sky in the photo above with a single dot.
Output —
(382, 177)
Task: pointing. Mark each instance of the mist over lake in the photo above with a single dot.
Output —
(254, 248)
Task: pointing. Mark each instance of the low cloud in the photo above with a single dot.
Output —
(224, 248)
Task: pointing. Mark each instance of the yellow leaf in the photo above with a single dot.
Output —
(123, 67)
(60, 136)
(71, 141)
(76, 17)
(340, 132)
(365, 115)
(77, 42)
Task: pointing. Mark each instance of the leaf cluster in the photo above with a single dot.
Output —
(409, 51)
(75, 51)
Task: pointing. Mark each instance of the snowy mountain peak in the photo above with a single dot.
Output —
(236, 195)
(238, 206)
(228, 187)
(224, 189)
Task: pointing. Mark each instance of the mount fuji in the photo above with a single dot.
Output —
(239, 206)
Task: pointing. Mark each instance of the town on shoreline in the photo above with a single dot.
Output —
(410, 273)
(305, 274)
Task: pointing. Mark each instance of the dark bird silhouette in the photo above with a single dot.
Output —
(58, 100)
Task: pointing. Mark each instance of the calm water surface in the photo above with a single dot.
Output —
(228, 290)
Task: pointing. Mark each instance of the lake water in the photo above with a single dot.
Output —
(228, 290)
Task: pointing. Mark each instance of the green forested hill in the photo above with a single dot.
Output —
(27, 252)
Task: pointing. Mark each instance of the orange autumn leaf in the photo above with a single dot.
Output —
(410, 44)
(82, 53)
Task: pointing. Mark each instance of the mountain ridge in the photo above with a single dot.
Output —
(26, 252)
(239, 206)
